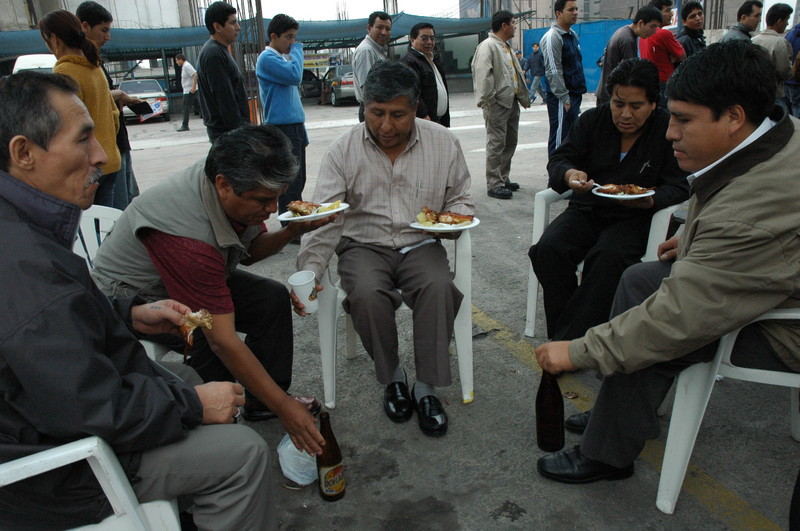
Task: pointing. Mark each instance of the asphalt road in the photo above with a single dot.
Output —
(482, 474)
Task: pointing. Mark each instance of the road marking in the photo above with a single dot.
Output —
(483, 126)
(721, 503)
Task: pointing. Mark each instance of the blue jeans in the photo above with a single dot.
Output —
(560, 120)
(536, 88)
(792, 93)
(104, 195)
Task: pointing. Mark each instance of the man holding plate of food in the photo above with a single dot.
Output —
(612, 150)
(387, 170)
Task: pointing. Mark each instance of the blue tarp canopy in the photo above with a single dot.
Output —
(129, 44)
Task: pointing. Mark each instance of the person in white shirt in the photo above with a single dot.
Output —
(189, 84)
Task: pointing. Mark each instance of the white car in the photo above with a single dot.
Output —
(148, 90)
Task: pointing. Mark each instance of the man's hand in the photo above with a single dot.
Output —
(567, 106)
(668, 250)
(221, 401)
(300, 425)
(160, 317)
(298, 306)
(578, 181)
(554, 357)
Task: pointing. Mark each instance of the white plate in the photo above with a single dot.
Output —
(596, 191)
(289, 216)
(443, 227)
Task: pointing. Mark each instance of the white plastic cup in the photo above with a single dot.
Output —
(304, 285)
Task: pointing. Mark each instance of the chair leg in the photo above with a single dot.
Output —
(692, 391)
(463, 340)
(327, 343)
(795, 414)
(533, 297)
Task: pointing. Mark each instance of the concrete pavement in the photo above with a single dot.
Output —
(482, 474)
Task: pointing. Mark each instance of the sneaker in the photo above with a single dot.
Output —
(511, 186)
(500, 193)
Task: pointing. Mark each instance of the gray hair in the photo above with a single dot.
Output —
(388, 80)
(251, 157)
(26, 109)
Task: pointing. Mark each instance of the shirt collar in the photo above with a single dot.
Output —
(56, 216)
(374, 44)
(412, 139)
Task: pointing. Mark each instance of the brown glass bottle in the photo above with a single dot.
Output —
(549, 414)
(329, 463)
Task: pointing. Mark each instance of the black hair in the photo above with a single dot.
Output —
(660, 4)
(726, 74)
(218, 12)
(378, 14)
(778, 12)
(93, 13)
(648, 14)
(688, 7)
(502, 17)
(251, 157)
(420, 26)
(180, 57)
(280, 24)
(636, 73)
(388, 80)
(67, 27)
(747, 8)
(26, 109)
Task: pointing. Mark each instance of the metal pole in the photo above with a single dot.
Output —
(166, 78)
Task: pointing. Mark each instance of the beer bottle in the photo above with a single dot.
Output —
(549, 414)
(329, 463)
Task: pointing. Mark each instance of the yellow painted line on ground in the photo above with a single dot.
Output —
(721, 503)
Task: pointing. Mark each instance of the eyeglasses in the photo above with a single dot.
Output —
(426, 38)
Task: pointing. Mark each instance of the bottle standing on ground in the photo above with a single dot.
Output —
(329, 462)
(549, 414)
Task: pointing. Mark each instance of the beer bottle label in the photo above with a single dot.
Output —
(331, 479)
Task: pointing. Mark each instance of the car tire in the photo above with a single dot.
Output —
(334, 100)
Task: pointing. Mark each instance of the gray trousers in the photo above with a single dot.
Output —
(371, 276)
(625, 414)
(220, 473)
(502, 130)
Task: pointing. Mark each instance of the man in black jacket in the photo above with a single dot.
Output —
(434, 102)
(70, 364)
(691, 36)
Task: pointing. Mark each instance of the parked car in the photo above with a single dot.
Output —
(148, 90)
(311, 86)
(338, 85)
(40, 62)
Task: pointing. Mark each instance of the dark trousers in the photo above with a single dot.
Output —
(625, 414)
(794, 511)
(361, 108)
(188, 100)
(371, 276)
(104, 195)
(561, 120)
(606, 245)
(299, 139)
(263, 312)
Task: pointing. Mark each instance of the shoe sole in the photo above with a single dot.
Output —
(622, 473)
(575, 429)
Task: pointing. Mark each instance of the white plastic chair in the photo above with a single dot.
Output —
(693, 389)
(541, 219)
(331, 297)
(129, 514)
(96, 223)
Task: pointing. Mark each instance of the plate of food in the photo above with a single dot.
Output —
(625, 192)
(307, 211)
(433, 221)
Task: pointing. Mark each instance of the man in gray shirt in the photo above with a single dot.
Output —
(373, 48)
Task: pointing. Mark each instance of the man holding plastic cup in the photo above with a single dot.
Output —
(187, 236)
(410, 164)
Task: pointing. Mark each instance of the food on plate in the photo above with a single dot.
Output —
(430, 217)
(623, 189)
(302, 208)
(192, 321)
(332, 206)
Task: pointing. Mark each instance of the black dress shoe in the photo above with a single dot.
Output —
(570, 466)
(500, 193)
(577, 423)
(397, 402)
(511, 186)
(255, 410)
(431, 415)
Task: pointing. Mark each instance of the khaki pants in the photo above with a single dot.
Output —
(502, 129)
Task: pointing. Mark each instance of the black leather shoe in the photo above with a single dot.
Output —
(500, 193)
(397, 402)
(577, 423)
(511, 186)
(431, 415)
(570, 466)
(255, 410)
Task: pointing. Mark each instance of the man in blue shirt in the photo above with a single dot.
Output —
(280, 70)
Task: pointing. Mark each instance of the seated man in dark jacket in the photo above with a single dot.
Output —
(621, 142)
(433, 98)
(70, 364)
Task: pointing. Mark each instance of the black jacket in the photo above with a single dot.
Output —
(593, 146)
(70, 367)
(223, 99)
(428, 94)
(692, 40)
